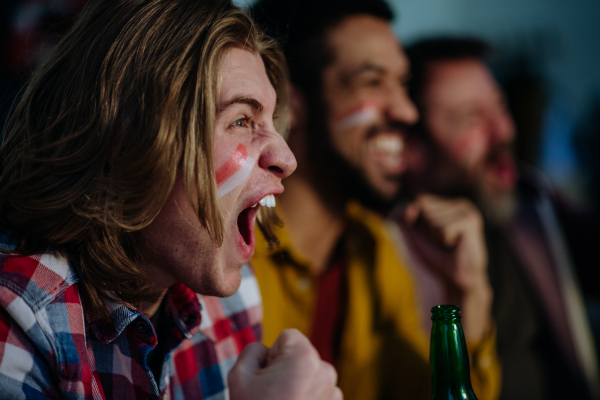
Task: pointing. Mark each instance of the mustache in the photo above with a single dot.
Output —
(500, 151)
(391, 126)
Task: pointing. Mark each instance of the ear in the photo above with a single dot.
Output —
(297, 108)
(298, 117)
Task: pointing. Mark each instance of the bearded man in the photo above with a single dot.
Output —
(337, 276)
(464, 142)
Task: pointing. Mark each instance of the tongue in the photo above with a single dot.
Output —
(505, 172)
(243, 222)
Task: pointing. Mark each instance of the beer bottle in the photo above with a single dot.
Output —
(450, 377)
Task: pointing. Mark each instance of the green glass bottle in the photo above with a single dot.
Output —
(450, 377)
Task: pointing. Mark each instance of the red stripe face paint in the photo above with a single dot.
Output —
(361, 115)
(235, 171)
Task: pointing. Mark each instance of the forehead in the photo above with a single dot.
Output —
(243, 74)
(459, 81)
(361, 39)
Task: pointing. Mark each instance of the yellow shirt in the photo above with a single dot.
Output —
(384, 353)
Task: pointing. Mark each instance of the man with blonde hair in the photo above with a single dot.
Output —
(130, 178)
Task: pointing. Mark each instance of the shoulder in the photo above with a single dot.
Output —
(37, 279)
(39, 309)
(39, 293)
(382, 231)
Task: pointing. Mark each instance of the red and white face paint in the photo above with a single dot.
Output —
(235, 171)
(364, 114)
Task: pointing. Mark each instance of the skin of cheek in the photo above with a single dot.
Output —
(235, 171)
(469, 150)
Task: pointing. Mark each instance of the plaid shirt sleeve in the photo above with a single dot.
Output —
(24, 372)
(42, 341)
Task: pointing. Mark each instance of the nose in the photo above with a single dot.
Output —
(277, 158)
(502, 127)
(400, 107)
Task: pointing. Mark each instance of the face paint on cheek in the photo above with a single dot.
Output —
(361, 115)
(235, 171)
(469, 149)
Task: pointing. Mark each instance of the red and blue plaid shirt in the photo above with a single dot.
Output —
(51, 347)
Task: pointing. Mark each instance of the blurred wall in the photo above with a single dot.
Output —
(564, 35)
(552, 46)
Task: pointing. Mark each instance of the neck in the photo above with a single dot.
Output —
(157, 277)
(314, 226)
(149, 308)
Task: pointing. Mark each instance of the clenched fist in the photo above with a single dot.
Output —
(290, 370)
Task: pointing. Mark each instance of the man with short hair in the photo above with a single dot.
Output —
(337, 276)
(465, 143)
(130, 178)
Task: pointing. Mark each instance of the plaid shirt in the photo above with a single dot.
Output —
(51, 347)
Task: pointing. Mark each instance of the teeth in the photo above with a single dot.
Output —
(268, 201)
(390, 144)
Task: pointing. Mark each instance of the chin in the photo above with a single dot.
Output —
(498, 206)
(230, 290)
(229, 282)
(216, 283)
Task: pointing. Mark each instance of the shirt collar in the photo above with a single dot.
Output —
(182, 303)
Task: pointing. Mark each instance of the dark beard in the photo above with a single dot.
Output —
(446, 178)
(336, 180)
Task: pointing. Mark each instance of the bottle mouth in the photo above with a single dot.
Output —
(445, 312)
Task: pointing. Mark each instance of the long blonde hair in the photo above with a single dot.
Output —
(91, 152)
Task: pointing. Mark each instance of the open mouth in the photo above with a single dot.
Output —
(386, 149)
(246, 220)
(503, 170)
(245, 224)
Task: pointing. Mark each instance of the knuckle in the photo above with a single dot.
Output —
(329, 372)
(337, 394)
(308, 356)
(292, 340)
(290, 334)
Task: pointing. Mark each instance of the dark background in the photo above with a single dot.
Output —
(547, 58)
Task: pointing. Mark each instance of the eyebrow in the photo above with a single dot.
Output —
(348, 76)
(368, 67)
(256, 106)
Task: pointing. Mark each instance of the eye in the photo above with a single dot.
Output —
(242, 122)
(373, 82)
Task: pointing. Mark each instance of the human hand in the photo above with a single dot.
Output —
(448, 236)
(290, 370)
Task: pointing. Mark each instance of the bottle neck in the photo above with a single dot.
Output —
(449, 359)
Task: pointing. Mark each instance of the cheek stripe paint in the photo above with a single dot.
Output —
(235, 171)
(232, 165)
(238, 178)
(360, 117)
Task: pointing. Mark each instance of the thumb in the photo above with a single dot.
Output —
(411, 213)
(252, 358)
(289, 340)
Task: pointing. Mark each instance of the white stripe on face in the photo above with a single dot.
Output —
(362, 116)
(238, 178)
